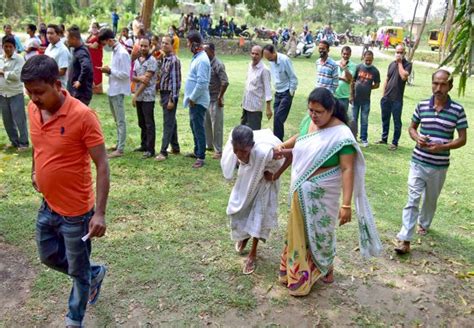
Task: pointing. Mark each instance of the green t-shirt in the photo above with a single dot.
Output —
(334, 159)
(343, 91)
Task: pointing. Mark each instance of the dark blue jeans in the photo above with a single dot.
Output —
(391, 108)
(197, 113)
(61, 248)
(364, 110)
(281, 109)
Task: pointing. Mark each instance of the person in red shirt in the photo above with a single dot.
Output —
(66, 134)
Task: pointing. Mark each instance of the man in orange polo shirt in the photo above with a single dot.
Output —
(66, 134)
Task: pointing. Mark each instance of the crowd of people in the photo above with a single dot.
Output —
(327, 164)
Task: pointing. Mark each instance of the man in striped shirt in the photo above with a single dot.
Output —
(437, 118)
(327, 69)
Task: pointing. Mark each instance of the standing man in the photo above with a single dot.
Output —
(12, 103)
(258, 91)
(215, 115)
(285, 82)
(196, 95)
(115, 20)
(437, 118)
(366, 79)
(144, 75)
(7, 28)
(119, 85)
(346, 73)
(32, 44)
(69, 216)
(170, 84)
(367, 43)
(58, 51)
(327, 75)
(80, 77)
(392, 100)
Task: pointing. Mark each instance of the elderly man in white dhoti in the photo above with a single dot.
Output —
(253, 202)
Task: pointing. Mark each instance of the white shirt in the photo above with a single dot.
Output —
(33, 42)
(367, 39)
(60, 53)
(258, 89)
(119, 77)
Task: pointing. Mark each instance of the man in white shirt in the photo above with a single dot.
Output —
(258, 90)
(58, 51)
(367, 41)
(119, 85)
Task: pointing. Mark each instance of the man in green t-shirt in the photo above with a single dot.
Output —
(346, 73)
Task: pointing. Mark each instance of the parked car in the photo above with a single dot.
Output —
(435, 39)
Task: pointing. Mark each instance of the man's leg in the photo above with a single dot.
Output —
(17, 105)
(8, 123)
(149, 117)
(192, 114)
(254, 120)
(397, 120)
(355, 116)
(218, 128)
(434, 185)
(386, 106)
(141, 124)
(244, 117)
(209, 126)
(119, 111)
(416, 187)
(199, 130)
(364, 121)
(281, 112)
(174, 135)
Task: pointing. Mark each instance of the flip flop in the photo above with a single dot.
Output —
(237, 247)
(421, 231)
(97, 289)
(326, 280)
(251, 267)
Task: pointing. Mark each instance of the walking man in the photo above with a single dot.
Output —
(58, 51)
(80, 77)
(70, 215)
(366, 79)
(392, 100)
(258, 91)
(144, 75)
(12, 103)
(285, 82)
(170, 84)
(119, 85)
(437, 119)
(327, 75)
(215, 114)
(196, 95)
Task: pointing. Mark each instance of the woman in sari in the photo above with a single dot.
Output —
(325, 158)
(96, 52)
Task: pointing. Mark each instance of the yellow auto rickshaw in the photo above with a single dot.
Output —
(436, 39)
(395, 33)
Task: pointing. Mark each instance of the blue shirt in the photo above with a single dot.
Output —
(328, 75)
(283, 74)
(197, 83)
(115, 18)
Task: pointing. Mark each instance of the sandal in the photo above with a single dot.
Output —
(240, 246)
(96, 289)
(329, 277)
(249, 266)
(421, 231)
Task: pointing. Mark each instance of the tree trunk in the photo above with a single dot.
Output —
(445, 47)
(420, 32)
(413, 19)
(147, 11)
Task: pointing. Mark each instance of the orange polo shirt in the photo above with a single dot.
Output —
(62, 160)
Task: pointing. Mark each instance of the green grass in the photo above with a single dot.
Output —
(168, 244)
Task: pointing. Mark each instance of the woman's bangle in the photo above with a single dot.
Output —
(346, 206)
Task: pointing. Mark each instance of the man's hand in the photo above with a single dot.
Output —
(345, 215)
(97, 226)
(142, 79)
(104, 69)
(191, 103)
(220, 102)
(422, 141)
(343, 63)
(269, 176)
(134, 101)
(76, 85)
(33, 182)
(435, 148)
(269, 111)
(170, 105)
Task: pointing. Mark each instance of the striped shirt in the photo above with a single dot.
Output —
(439, 126)
(170, 75)
(258, 89)
(327, 74)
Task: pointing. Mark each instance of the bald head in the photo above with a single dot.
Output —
(256, 54)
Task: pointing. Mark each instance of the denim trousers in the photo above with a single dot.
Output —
(61, 248)
(14, 119)
(170, 126)
(281, 109)
(364, 110)
(424, 183)
(391, 108)
(146, 122)
(118, 112)
(197, 114)
(215, 126)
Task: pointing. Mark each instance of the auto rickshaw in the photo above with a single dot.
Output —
(436, 39)
(396, 34)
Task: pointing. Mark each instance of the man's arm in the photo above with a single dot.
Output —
(402, 72)
(33, 173)
(97, 225)
(86, 68)
(456, 143)
(202, 82)
(292, 77)
(224, 84)
(267, 86)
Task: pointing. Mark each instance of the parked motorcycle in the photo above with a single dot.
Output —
(342, 38)
(265, 34)
(304, 49)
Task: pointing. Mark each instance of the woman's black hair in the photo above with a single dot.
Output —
(40, 68)
(326, 99)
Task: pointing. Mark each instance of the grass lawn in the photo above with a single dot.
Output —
(168, 247)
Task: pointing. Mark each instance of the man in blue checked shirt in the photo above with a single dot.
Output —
(196, 95)
(285, 82)
(327, 75)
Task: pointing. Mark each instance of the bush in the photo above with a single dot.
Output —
(81, 21)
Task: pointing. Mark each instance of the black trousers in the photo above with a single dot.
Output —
(146, 122)
(170, 126)
(281, 109)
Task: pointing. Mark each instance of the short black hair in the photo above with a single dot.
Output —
(369, 52)
(106, 34)
(40, 68)
(324, 42)
(55, 27)
(270, 48)
(346, 48)
(9, 39)
(74, 31)
(194, 37)
(211, 46)
(32, 27)
(169, 37)
(442, 70)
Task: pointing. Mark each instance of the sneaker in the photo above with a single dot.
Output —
(392, 147)
(403, 247)
(217, 156)
(190, 155)
(198, 164)
(381, 142)
(161, 157)
(365, 144)
(22, 149)
(116, 153)
(148, 154)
